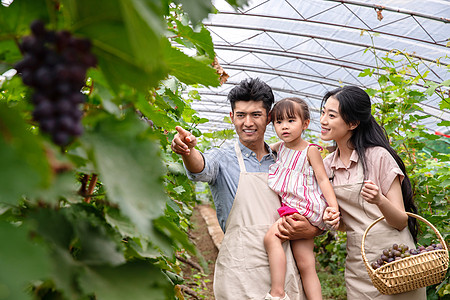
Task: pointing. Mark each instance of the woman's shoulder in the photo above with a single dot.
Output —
(381, 158)
(376, 153)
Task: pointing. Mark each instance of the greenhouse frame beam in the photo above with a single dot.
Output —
(401, 11)
(290, 74)
(312, 37)
(295, 55)
(334, 25)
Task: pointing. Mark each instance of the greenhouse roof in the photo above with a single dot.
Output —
(307, 47)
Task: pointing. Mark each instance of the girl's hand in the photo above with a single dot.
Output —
(371, 192)
(331, 217)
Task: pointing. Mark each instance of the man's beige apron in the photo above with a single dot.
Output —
(242, 265)
(357, 214)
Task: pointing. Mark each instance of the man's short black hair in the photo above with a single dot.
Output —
(252, 89)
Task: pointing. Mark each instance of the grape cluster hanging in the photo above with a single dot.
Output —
(55, 65)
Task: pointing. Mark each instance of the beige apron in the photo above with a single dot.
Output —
(357, 215)
(242, 265)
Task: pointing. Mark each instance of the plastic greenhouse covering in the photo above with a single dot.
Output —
(305, 48)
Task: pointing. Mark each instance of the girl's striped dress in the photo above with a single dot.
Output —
(292, 177)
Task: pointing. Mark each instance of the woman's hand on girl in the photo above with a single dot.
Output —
(371, 192)
(331, 217)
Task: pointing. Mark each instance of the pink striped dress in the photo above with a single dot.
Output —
(292, 177)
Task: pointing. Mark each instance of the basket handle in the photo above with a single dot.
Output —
(363, 251)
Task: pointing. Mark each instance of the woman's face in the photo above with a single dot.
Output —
(333, 125)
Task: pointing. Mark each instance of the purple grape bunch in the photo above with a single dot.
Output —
(54, 64)
(398, 252)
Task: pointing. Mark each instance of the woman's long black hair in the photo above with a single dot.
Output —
(355, 107)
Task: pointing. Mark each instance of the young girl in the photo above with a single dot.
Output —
(299, 178)
(369, 181)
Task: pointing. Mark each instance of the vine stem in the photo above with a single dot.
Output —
(417, 71)
(90, 190)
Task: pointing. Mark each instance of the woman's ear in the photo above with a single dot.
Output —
(354, 125)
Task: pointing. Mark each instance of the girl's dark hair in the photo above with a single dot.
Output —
(252, 89)
(286, 108)
(355, 108)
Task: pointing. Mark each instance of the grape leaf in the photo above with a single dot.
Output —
(129, 168)
(137, 281)
(20, 262)
(187, 69)
(24, 166)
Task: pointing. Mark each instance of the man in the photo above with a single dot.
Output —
(245, 205)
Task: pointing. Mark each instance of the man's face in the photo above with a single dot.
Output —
(250, 120)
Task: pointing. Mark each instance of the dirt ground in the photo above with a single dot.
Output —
(200, 284)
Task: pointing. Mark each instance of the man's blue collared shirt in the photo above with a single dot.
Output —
(222, 174)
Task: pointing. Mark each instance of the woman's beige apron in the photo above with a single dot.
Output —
(242, 265)
(357, 214)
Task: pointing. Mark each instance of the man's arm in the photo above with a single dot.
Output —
(297, 227)
(183, 143)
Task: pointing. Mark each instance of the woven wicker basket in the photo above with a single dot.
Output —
(409, 273)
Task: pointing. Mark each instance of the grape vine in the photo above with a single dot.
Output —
(54, 65)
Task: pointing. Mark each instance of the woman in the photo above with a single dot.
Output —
(369, 181)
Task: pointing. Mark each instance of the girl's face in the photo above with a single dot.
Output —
(333, 125)
(290, 129)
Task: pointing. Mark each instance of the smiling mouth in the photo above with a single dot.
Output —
(249, 130)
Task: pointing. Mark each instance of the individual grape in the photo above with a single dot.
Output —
(38, 28)
(44, 77)
(375, 265)
(48, 125)
(43, 110)
(61, 138)
(65, 122)
(402, 252)
(54, 64)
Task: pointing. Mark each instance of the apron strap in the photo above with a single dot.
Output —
(239, 157)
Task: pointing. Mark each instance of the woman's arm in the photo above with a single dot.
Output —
(316, 162)
(391, 205)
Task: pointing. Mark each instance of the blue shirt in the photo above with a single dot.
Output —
(222, 174)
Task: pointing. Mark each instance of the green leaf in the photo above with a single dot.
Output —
(137, 281)
(97, 247)
(15, 19)
(54, 227)
(24, 166)
(446, 82)
(202, 39)
(129, 167)
(20, 262)
(9, 52)
(121, 223)
(383, 80)
(126, 36)
(188, 69)
(173, 231)
(196, 9)
(366, 72)
(444, 123)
